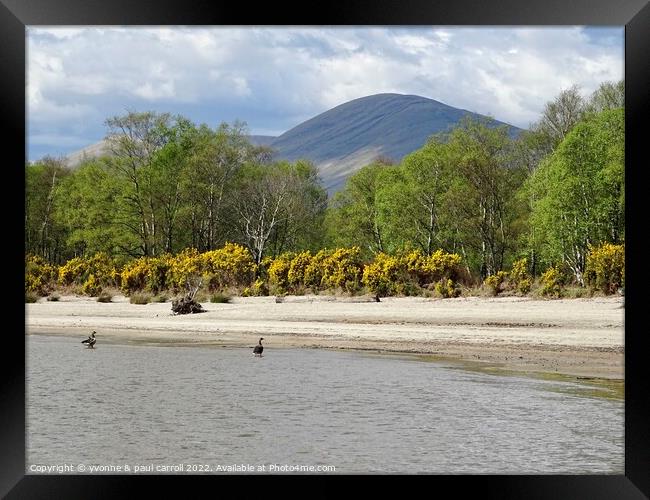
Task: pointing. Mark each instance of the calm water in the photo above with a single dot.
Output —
(209, 406)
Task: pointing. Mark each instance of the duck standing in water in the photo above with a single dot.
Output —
(90, 341)
(257, 350)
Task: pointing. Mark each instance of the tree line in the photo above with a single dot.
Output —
(548, 195)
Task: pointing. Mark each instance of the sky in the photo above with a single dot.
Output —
(274, 78)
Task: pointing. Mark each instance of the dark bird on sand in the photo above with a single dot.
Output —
(257, 350)
(90, 341)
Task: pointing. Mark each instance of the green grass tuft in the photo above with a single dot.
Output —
(220, 298)
(140, 298)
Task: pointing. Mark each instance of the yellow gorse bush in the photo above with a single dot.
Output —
(79, 270)
(39, 274)
(552, 282)
(383, 274)
(299, 264)
(407, 271)
(134, 275)
(605, 269)
(342, 269)
(279, 271)
(231, 265)
(496, 281)
(519, 276)
(313, 274)
(440, 265)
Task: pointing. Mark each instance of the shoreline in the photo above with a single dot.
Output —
(581, 339)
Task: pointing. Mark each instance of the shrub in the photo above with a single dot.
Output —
(79, 269)
(519, 277)
(158, 273)
(605, 269)
(220, 298)
(160, 298)
(524, 286)
(257, 289)
(55, 297)
(91, 286)
(446, 289)
(184, 268)
(552, 281)
(342, 269)
(134, 275)
(232, 265)
(495, 282)
(105, 297)
(140, 298)
(313, 275)
(39, 275)
(279, 272)
(299, 264)
(440, 265)
(31, 297)
(382, 275)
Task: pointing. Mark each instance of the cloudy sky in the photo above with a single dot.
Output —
(275, 78)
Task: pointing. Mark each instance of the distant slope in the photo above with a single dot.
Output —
(101, 148)
(93, 151)
(345, 138)
(261, 140)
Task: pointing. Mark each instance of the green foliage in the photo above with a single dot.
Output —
(352, 217)
(578, 192)
(552, 282)
(606, 268)
(31, 297)
(158, 214)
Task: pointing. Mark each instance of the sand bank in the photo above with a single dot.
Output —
(577, 337)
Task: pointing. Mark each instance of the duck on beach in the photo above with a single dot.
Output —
(257, 350)
(90, 341)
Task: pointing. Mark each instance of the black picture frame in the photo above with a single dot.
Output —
(15, 15)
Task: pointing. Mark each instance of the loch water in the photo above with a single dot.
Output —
(208, 409)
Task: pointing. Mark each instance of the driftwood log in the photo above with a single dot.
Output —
(187, 304)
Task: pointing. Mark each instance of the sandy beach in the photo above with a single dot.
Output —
(577, 337)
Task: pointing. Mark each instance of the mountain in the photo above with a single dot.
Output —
(93, 151)
(345, 138)
(101, 148)
(349, 136)
(261, 140)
